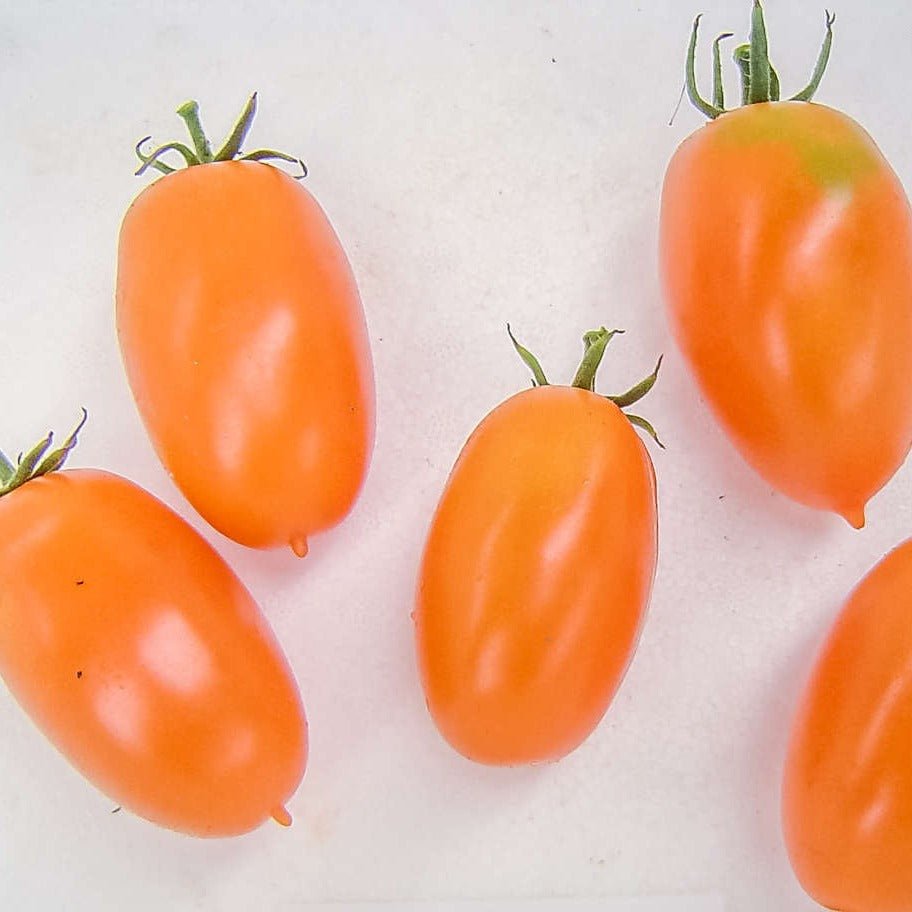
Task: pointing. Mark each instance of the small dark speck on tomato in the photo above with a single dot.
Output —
(78, 675)
(80, 582)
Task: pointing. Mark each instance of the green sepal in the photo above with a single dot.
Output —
(759, 79)
(718, 86)
(538, 375)
(232, 145)
(595, 342)
(35, 463)
(759, 57)
(7, 470)
(810, 90)
(268, 154)
(151, 160)
(635, 393)
(690, 77)
(201, 153)
(644, 425)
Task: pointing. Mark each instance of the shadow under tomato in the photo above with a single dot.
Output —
(761, 759)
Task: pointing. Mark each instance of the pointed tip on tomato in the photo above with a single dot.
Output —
(281, 816)
(854, 516)
(299, 545)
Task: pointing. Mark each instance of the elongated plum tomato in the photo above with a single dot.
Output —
(847, 791)
(140, 655)
(786, 252)
(537, 569)
(244, 342)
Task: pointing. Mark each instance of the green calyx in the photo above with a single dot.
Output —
(595, 343)
(759, 80)
(38, 461)
(201, 153)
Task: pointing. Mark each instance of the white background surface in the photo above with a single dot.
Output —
(481, 162)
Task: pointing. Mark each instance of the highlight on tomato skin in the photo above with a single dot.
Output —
(537, 569)
(140, 655)
(847, 782)
(786, 259)
(244, 340)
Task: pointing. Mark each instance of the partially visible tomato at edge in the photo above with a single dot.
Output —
(847, 787)
(143, 658)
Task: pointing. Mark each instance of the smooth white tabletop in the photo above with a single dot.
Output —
(482, 162)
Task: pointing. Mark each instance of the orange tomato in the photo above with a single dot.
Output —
(244, 343)
(847, 791)
(143, 658)
(536, 573)
(786, 254)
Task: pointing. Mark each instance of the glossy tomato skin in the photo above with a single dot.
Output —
(245, 345)
(786, 253)
(847, 791)
(536, 576)
(136, 650)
